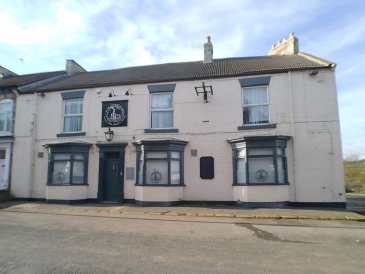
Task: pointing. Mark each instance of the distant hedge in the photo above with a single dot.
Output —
(355, 176)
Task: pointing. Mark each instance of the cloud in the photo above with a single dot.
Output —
(109, 34)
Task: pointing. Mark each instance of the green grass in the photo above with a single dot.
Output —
(354, 176)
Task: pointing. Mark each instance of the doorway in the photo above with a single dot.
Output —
(111, 173)
(112, 177)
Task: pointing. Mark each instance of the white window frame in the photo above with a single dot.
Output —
(6, 101)
(64, 115)
(162, 109)
(256, 105)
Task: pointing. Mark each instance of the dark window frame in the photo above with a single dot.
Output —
(245, 144)
(168, 146)
(72, 149)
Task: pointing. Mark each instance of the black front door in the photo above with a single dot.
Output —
(111, 177)
(112, 182)
(112, 187)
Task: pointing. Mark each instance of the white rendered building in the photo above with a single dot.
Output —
(253, 131)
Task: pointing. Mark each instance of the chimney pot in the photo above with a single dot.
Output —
(291, 35)
(208, 51)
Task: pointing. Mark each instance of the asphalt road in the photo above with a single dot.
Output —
(97, 243)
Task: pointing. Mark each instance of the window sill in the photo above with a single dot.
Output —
(9, 137)
(67, 184)
(71, 134)
(158, 185)
(163, 130)
(261, 184)
(248, 127)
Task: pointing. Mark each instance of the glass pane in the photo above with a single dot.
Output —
(62, 156)
(175, 172)
(61, 172)
(5, 106)
(157, 154)
(156, 172)
(256, 115)
(161, 119)
(78, 173)
(260, 151)
(261, 170)
(255, 96)
(79, 156)
(241, 171)
(9, 117)
(2, 154)
(2, 121)
(175, 154)
(72, 124)
(73, 107)
(281, 170)
(161, 101)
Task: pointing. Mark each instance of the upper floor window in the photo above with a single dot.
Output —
(255, 100)
(162, 110)
(72, 115)
(255, 104)
(6, 115)
(162, 106)
(72, 111)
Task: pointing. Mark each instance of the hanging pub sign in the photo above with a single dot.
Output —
(114, 113)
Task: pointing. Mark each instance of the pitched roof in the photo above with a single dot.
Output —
(22, 80)
(6, 72)
(227, 67)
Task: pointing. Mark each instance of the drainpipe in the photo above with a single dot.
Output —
(32, 151)
(293, 136)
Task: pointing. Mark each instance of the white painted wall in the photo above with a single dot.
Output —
(158, 194)
(314, 154)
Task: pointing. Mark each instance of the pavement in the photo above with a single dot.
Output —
(355, 210)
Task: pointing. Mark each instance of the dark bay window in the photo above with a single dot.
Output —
(160, 162)
(68, 163)
(259, 160)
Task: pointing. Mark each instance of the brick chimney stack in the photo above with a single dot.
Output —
(286, 47)
(208, 51)
(73, 68)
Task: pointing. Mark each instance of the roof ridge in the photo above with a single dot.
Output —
(317, 59)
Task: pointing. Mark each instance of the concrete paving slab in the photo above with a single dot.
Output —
(191, 211)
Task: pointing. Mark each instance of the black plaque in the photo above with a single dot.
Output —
(114, 113)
